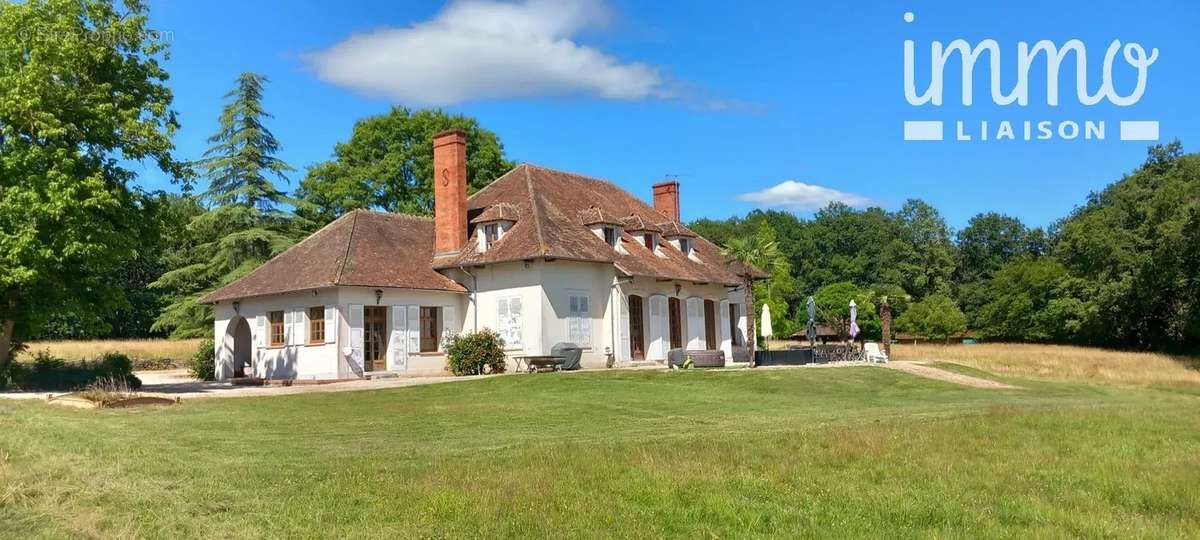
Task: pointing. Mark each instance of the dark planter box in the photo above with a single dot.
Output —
(791, 357)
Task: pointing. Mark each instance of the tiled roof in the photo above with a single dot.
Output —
(497, 212)
(360, 249)
(549, 203)
(671, 229)
(597, 216)
(635, 223)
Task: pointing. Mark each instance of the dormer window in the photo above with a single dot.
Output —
(685, 246)
(651, 241)
(610, 236)
(493, 223)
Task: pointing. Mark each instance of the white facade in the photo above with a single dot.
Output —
(534, 304)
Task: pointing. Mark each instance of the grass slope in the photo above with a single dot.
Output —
(804, 452)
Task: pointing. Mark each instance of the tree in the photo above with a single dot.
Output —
(1132, 246)
(989, 242)
(82, 95)
(164, 241)
(833, 308)
(936, 316)
(760, 252)
(1033, 300)
(388, 165)
(244, 225)
(933, 254)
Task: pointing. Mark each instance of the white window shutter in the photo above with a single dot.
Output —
(396, 344)
(287, 327)
(300, 324)
(623, 328)
(260, 337)
(658, 327)
(414, 329)
(449, 323)
(723, 331)
(695, 322)
(502, 319)
(356, 337)
(331, 328)
(585, 322)
(513, 339)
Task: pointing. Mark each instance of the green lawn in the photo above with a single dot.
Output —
(806, 452)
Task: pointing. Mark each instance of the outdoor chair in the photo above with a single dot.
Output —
(872, 353)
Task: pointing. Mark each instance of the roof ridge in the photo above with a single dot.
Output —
(611, 183)
(575, 174)
(494, 180)
(337, 278)
(537, 221)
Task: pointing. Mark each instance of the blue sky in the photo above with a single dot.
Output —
(732, 100)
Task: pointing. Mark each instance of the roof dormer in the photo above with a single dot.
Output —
(648, 235)
(680, 238)
(493, 223)
(604, 226)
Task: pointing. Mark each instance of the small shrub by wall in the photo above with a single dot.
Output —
(475, 353)
(202, 365)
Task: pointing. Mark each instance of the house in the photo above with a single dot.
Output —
(542, 256)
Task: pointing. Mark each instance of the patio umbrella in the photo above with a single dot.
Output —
(853, 319)
(811, 329)
(765, 327)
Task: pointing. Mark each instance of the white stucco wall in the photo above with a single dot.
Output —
(300, 360)
(506, 281)
(544, 289)
(721, 295)
(294, 360)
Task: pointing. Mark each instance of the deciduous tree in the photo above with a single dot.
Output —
(388, 165)
(82, 94)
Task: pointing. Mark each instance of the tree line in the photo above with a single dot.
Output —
(1121, 270)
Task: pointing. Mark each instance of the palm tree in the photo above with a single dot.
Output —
(760, 254)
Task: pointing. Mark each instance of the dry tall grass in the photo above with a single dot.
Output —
(176, 351)
(1060, 362)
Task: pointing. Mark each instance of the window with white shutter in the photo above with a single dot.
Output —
(579, 322)
(509, 321)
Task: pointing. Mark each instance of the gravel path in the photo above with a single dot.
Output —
(177, 383)
(929, 372)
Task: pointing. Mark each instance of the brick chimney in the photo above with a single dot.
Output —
(666, 198)
(449, 191)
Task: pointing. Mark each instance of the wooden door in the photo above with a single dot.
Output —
(637, 336)
(430, 329)
(375, 338)
(674, 323)
(710, 325)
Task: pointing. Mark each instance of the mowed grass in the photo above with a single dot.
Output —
(1061, 362)
(854, 451)
(176, 351)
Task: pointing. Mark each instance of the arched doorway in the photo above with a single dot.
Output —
(238, 340)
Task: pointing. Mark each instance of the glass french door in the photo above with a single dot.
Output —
(375, 338)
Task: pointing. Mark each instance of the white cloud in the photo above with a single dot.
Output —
(486, 49)
(801, 196)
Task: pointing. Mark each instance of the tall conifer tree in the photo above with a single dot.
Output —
(244, 225)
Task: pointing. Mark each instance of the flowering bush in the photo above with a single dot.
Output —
(476, 353)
